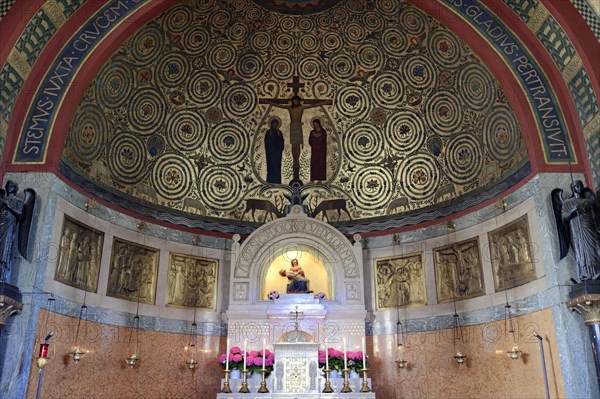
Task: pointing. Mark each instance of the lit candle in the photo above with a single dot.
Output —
(227, 356)
(264, 351)
(364, 354)
(345, 356)
(326, 356)
(245, 342)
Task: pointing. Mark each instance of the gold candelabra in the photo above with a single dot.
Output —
(244, 388)
(346, 387)
(365, 384)
(263, 385)
(327, 388)
(226, 388)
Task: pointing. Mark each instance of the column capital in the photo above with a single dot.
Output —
(584, 298)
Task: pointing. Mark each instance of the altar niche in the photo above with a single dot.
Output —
(311, 261)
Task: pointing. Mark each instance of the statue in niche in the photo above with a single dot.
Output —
(510, 251)
(298, 281)
(132, 273)
(578, 227)
(192, 281)
(15, 222)
(274, 144)
(400, 281)
(458, 271)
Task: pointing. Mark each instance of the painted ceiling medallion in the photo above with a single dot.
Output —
(297, 7)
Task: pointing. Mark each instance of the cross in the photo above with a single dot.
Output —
(295, 314)
(296, 85)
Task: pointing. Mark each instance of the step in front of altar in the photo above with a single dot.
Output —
(336, 383)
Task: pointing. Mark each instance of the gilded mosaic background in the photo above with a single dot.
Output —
(177, 117)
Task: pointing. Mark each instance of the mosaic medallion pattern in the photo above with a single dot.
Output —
(408, 115)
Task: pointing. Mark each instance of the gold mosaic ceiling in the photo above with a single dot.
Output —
(177, 119)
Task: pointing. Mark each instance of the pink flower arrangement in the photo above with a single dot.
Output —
(254, 360)
(336, 359)
(236, 359)
(273, 295)
(321, 295)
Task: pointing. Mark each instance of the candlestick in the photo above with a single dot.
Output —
(245, 342)
(227, 356)
(364, 353)
(326, 356)
(264, 351)
(345, 356)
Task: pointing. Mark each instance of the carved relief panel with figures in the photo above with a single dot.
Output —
(133, 269)
(458, 271)
(400, 281)
(511, 255)
(192, 281)
(79, 255)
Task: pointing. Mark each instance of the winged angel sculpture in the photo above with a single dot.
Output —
(15, 222)
(578, 226)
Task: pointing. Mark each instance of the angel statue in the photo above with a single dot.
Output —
(15, 222)
(578, 224)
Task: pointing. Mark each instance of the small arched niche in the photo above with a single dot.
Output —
(315, 265)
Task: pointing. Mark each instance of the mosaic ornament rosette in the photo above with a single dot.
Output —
(511, 253)
(177, 117)
(400, 281)
(458, 271)
(132, 273)
(79, 255)
(192, 282)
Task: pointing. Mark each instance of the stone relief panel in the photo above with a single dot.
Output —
(400, 281)
(458, 271)
(241, 290)
(79, 255)
(192, 281)
(511, 255)
(133, 269)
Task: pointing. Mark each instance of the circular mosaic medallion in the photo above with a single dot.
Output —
(116, 84)
(309, 43)
(219, 187)
(180, 18)
(172, 176)
(89, 132)
(254, 13)
(388, 8)
(228, 142)
(419, 72)
(352, 102)
(501, 134)
(363, 143)
(419, 176)
(147, 44)
(239, 100)
(342, 66)
(332, 41)
(269, 21)
(222, 56)
(186, 131)
(443, 113)
(238, 33)
(324, 20)
(260, 41)
(219, 19)
(283, 43)
(393, 42)
(250, 66)
(370, 57)
(413, 21)
(287, 24)
(372, 186)
(147, 110)
(463, 158)
(444, 48)
(405, 131)
(204, 88)
(281, 67)
(387, 90)
(309, 68)
(477, 87)
(306, 24)
(355, 33)
(126, 158)
(196, 40)
(204, 5)
(339, 15)
(373, 21)
(172, 70)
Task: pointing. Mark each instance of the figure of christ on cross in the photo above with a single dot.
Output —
(296, 110)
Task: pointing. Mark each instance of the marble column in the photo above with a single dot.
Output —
(584, 298)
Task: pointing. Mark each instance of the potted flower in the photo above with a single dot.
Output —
(336, 361)
(236, 361)
(355, 363)
(321, 295)
(254, 361)
(273, 295)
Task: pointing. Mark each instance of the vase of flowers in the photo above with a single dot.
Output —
(273, 295)
(335, 359)
(236, 361)
(355, 363)
(254, 362)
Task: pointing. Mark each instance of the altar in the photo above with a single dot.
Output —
(304, 331)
